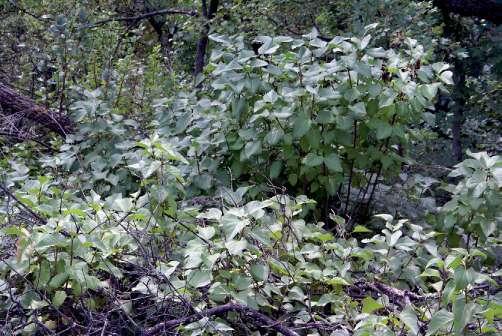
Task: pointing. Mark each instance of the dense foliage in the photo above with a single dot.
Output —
(301, 183)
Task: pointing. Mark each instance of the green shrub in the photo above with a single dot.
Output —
(319, 118)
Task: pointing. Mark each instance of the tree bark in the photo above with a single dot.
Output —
(208, 14)
(12, 102)
(453, 30)
(164, 34)
(458, 110)
(165, 40)
(490, 10)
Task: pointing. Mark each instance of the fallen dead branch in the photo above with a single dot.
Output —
(14, 103)
(401, 297)
(260, 320)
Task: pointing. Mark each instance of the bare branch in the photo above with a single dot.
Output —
(165, 11)
(260, 319)
(22, 205)
(20, 137)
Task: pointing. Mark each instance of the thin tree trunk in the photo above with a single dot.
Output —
(208, 14)
(452, 30)
(458, 112)
(166, 44)
(163, 33)
(456, 131)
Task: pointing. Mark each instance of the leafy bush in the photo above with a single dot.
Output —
(146, 252)
(112, 234)
(322, 118)
(476, 206)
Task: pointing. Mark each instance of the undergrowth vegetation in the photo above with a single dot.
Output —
(247, 206)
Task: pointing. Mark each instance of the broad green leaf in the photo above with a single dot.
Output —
(31, 300)
(327, 298)
(275, 169)
(312, 160)
(15, 231)
(238, 107)
(383, 130)
(370, 305)
(430, 272)
(337, 281)
(358, 110)
(199, 278)
(121, 204)
(221, 327)
(461, 278)
(386, 98)
(260, 271)
(410, 319)
(255, 208)
(151, 168)
(241, 282)
(494, 311)
(43, 274)
(207, 232)
(233, 225)
(447, 77)
(252, 148)
(301, 125)
(361, 229)
(296, 293)
(441, 320)
(58, 280)
(212, 214)
(333, 163)
(394, 238)
(235, 247)
(364, 42)
(274, 136)
(292, 179)
(75, 212)
(270, 96)
(326, 116)
(462, 314)
(168, 268)
(59, 298)
(429, 90)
